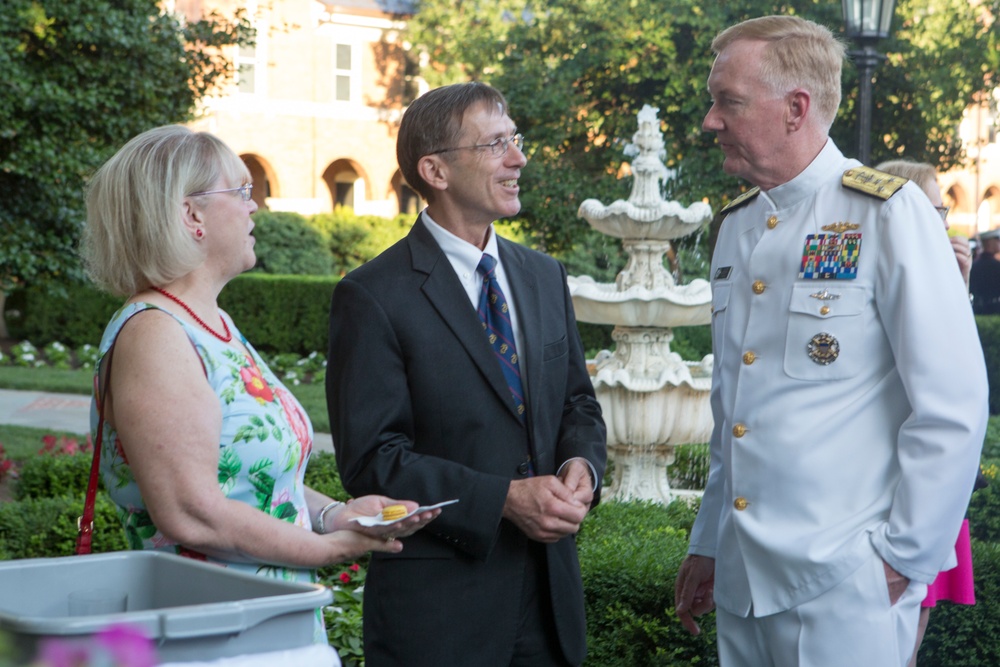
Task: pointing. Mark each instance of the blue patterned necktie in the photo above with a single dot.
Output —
(493, 312)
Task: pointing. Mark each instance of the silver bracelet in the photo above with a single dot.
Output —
(321, 518)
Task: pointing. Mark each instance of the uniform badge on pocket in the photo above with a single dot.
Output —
(823, 349)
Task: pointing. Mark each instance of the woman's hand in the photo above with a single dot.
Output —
(371, 506)
(351, 544)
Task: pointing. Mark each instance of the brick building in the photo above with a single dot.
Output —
(973, 192)
(316, 102)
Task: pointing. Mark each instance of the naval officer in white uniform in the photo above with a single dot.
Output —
(849, 389)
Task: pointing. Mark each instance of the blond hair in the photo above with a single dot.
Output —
(921, 173)
(799, 54)
(135, 237)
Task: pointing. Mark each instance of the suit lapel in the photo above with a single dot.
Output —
(448, 298)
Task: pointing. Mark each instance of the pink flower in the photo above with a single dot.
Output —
(297, 420)
(345, 578)
(119, 645)
(128, 645)
(354, 568)
(60, 653)
(255, 384)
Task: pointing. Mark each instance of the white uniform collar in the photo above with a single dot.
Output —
(829, 161)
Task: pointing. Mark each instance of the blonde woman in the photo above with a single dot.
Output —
(204, 450)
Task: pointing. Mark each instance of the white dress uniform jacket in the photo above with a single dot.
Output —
(849, 412)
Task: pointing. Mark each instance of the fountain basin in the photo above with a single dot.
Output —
(663, 221)
(637, 306)
(674, 415)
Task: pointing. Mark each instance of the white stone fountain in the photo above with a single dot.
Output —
(652, 399)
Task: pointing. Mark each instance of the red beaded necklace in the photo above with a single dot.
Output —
(225, 339)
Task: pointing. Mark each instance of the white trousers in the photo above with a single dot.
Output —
(850, 625)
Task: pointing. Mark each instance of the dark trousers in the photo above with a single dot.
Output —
(537, 643)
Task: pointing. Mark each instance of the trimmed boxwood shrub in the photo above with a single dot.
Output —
(322, 476)
(989, 337)
(281, 313)
(46, 527)
(47, 476)
(967, 636)
(74, 315)
(276, 313)
(287, 244)
(629, 557)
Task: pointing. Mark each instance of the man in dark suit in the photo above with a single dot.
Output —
(984, 278)
(454, 376)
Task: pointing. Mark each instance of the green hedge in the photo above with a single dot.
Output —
(989, 337)
(287, 244)
(276, 313)
(968, 636)
(322, 475)
(629, 557)
(49, 476)
(46, 527)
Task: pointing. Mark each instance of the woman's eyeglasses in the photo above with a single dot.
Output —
(246, 192)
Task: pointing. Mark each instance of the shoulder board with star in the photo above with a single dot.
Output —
(872, 182)
(739, 201)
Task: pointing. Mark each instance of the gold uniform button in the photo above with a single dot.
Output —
(739, 430)
(758, 287)
(825, 310)
(740, 504)
(772, 222)
(749, 358)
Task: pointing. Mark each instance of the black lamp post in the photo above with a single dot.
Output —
(866, 21)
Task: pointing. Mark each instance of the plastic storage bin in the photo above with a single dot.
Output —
(190, 609)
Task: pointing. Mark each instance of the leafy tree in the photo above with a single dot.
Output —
(941, 55)
(576, 72)
(80, 78)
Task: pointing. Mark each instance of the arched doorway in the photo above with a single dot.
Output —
(261, 179)
(346, 184)
(407, 198)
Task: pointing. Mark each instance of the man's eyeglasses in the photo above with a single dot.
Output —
(943, 211)
(246, 192)
(498, 147)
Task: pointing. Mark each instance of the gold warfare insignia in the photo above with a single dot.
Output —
(493, 338)
(823, 349)
(841, 227)
(872, 182)
(493, 298)
(503, 348)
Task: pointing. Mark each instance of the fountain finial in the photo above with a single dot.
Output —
(646, 215)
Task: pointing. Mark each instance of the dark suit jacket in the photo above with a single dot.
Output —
(420, 410)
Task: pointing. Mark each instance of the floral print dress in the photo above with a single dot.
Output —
(263, 449)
